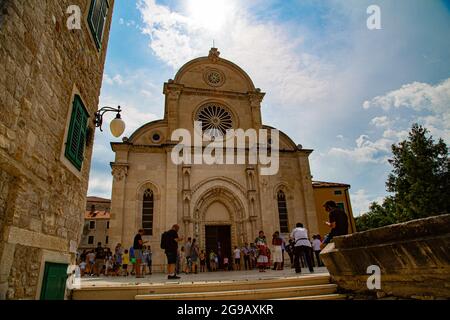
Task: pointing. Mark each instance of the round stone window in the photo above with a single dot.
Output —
(216, 120)
(214, 77)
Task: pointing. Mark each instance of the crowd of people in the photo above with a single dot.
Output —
(187, 257)
(123, 262)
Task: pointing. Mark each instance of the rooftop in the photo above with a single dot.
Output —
(97, 214)
(324, 184)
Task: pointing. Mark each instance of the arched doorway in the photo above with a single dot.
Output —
(219, 220)
(218, 230)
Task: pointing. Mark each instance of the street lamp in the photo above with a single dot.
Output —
(117, 126)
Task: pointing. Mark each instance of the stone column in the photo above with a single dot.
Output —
(117, 223)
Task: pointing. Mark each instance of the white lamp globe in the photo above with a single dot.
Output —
(117, 126)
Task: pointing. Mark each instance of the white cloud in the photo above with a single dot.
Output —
(117, 79)
(100, 185)
(340, 137)
(418, 96)
(296, 77)
(361, 201)
(380, 121)
(366, 151)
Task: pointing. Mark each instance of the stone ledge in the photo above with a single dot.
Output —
(413, 258)
(28, 238)
(421, 228)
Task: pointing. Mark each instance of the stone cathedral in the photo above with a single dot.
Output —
(221, 205)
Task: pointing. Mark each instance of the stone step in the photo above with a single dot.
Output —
(333, 296)
(130, 291)
(255, 294)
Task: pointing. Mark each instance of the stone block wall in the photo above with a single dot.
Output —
(413, 257)
(42, 198)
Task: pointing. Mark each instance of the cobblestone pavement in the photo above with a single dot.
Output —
(218, 276)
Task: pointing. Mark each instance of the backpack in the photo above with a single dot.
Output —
(164, 240)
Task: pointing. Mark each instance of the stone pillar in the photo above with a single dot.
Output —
(170, 214)
(117, 223)
(255, 99)
(172, 92)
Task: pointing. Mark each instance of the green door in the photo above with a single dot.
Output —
(54, 282)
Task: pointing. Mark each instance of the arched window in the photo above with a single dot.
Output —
(282, 212)
(147, 212)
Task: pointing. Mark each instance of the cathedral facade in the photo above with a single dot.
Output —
(221, 205)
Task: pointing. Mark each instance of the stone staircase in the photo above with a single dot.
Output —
(305, 287)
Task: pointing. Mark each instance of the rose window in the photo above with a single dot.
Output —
(214, 77)
(216, 120)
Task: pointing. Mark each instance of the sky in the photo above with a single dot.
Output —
(331, 83)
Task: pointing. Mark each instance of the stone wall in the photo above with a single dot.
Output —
(42, 197)
(414, 259)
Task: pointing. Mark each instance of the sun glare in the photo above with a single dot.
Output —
(209, 14)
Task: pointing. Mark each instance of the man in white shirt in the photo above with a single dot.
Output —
(302, 246)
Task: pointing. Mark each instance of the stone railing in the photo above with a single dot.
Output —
(413, 257)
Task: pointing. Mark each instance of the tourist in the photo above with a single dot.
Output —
(100, 256)
(187, 252)
(137, 246)
(132, 260)
(194, 256)
(212, 261)
(109, 265)
(290, 251)
(237, 258)
(171, 250)
(118, 251)
(182, 261)
(144, 260)
(337, 221)
(302, 246)
(91, 262)
(202, 258)
(125, 262)
(262, 260)
(225, 263)
(82, 267)
(246, 252)
(316, 243)
(277, 257)
(253, 252)
(83, 256)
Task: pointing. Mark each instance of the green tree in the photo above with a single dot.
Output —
(419, 182)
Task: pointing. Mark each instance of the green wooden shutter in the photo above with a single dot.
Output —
(97, 16)
(76, 138)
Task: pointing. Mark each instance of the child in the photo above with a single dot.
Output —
(125, 262)
(225, 264)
